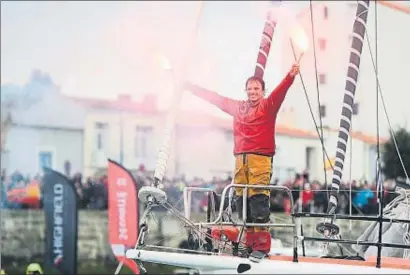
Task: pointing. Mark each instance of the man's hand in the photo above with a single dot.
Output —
(295, 70)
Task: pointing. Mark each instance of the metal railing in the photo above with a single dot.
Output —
(219, 219)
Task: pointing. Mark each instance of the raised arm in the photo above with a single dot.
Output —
(277, 96)
(226, 104)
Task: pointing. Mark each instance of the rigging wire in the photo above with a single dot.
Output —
(378, 170)
(310, 107)
(317, 128)
(379, 89)
(377, 114)
(379, 184)
(350, 177)
(377, 94)
(317, 90)
(320, 135)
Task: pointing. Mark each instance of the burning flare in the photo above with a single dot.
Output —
(293, 28)
(164, 62)
(299, 37)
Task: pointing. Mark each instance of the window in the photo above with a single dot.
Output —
(325, 12)
(143, 141)
(309, 158)
(101, 130)
(322, 110)
(322, 44)
(322, 78)
(45, 159)
(355, 108)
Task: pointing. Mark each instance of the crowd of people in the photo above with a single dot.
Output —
(92, 192)
(359, 197)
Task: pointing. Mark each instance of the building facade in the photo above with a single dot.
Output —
(361, 155)
(86, 132)
(49, 133)
(332, 32)
(203, 144)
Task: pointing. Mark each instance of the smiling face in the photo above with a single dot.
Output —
(255, 89)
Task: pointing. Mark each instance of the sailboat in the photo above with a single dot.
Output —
(214, 243)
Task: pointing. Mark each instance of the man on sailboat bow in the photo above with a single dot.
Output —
(254, 147)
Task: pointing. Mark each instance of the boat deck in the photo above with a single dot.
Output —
(386, 262)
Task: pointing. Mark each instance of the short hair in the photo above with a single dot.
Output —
(255, 78)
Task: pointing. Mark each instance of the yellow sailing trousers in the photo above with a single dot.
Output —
(257, 170)
(253, 169)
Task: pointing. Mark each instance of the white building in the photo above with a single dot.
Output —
(202, 145)
(205, 148)
(360, 161)
(333, 25)
(122, 130)
(45, 132)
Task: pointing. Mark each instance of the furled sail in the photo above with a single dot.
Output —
(265, 44)
(359, 29)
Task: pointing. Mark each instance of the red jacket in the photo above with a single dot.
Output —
(307, 197)
(254, 125)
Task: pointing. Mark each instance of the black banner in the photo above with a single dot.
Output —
(61, 217)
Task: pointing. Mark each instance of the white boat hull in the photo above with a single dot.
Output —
(211, 264)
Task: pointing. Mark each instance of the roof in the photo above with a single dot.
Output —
(294, 132)
(123, 102)
(401, 6)
(38, 113)
(366, 138)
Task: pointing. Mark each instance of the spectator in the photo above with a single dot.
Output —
(99, 194)
(319, 197)
(93, 193)
(307, 198)
(362, 198)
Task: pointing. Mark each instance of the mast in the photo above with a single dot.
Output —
(265, 44)
(359, 29)
(264, 49)
(165, 149)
